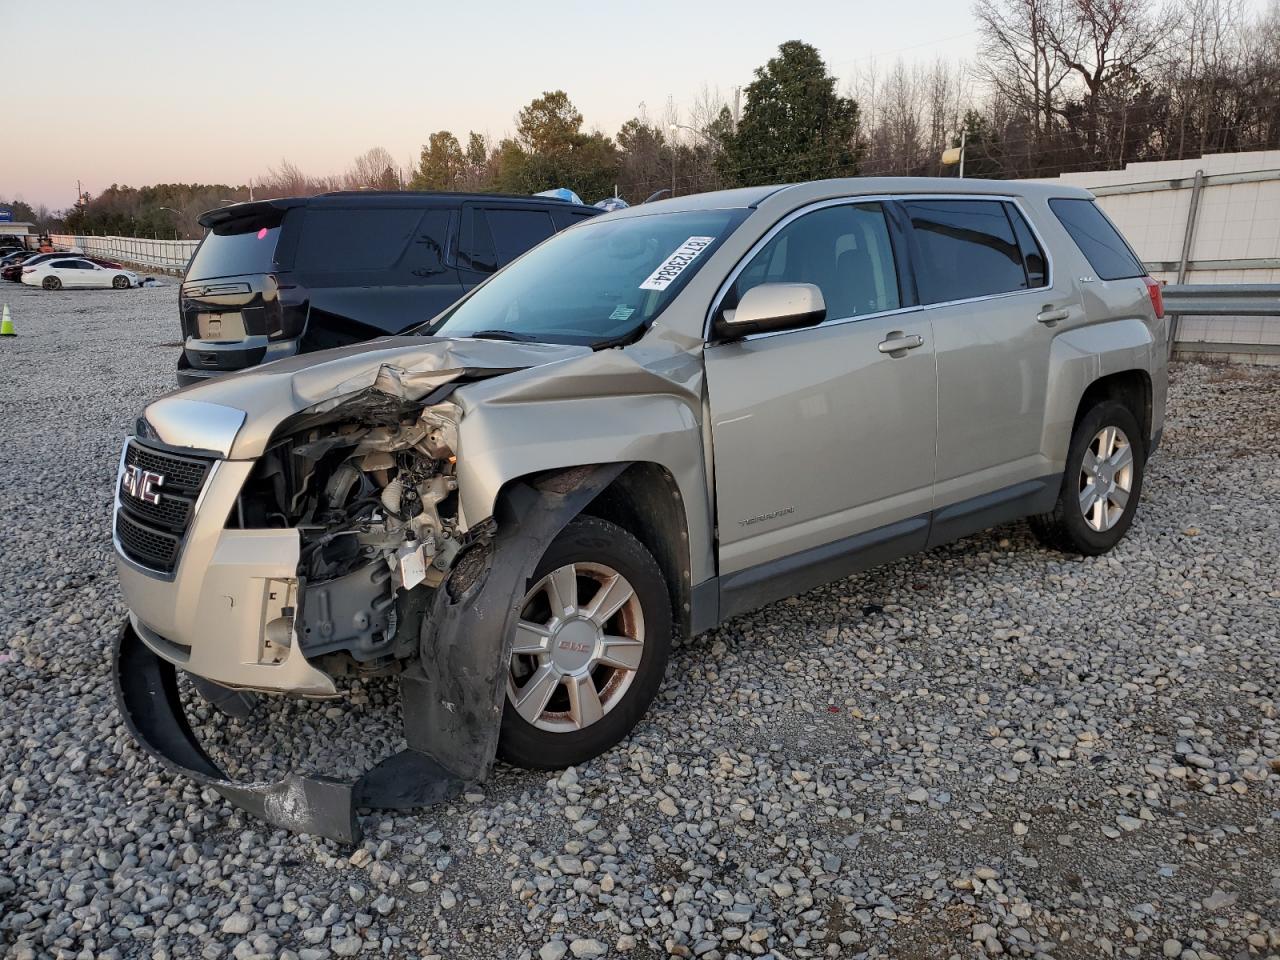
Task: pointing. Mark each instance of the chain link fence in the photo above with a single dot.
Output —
(168, 256)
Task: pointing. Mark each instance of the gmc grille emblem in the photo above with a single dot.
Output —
(143, 485)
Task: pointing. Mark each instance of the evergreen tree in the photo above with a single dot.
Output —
(795, 125)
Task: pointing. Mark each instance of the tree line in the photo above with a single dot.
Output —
(1058, 85)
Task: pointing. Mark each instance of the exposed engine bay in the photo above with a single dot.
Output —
(371, 488)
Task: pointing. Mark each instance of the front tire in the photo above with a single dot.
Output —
(1101, 485)
(590, 649)
(120, 282)
(51, 283)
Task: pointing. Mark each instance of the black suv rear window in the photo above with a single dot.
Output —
(234, 249)
(1097, 239)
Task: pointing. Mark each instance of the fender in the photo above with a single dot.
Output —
(1079, 357)
(603, 408)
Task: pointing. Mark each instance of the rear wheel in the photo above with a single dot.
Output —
(120, 282)
(51, 283)
(590, 647)
(1102, 483)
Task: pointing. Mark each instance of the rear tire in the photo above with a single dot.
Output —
(622, 655)
(120, 282)
(51, 283)
(1101, 485)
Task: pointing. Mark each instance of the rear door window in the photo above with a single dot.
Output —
(567, 218)
(1033, 258)
(966, 249)
(1097, 239)
(349, 245)
(347, 240)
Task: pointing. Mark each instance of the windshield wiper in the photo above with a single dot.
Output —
(502, 335)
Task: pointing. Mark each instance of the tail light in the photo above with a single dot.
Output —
(1156, 295)
(28, 269)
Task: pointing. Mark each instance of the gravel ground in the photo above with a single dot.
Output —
(987, 749)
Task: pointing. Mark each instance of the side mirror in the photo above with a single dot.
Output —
(772, 306)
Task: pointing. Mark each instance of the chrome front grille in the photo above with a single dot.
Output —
(155, 500)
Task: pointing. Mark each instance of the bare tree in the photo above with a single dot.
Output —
(1022, 67)
(1105, 45)
(375, 169)
(909, 116)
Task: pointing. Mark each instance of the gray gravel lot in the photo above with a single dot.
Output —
(987, 749)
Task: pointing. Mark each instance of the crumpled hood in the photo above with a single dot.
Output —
(236, 415)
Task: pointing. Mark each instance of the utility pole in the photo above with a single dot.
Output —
(737, 97)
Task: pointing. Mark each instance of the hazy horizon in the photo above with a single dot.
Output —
(141, 93)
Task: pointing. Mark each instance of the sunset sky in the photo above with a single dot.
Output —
(146, 92)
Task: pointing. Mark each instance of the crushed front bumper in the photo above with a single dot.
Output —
(451, 698)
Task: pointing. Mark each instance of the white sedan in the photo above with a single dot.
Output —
(77, 272)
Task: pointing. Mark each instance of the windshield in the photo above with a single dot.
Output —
(600, 282)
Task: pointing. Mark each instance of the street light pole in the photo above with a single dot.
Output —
(956, 155)
(176, 216)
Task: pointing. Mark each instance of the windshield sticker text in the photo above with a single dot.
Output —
(621, 312)
(671, 268)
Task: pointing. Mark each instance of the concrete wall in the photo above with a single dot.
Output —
(1235, 239)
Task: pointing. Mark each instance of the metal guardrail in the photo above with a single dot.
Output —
(1222, 299)
(167, 255)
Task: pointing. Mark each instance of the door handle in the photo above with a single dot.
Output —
(897, 344)
(1053, 316)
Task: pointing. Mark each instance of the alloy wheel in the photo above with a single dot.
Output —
(1106, 479)
(578, 645)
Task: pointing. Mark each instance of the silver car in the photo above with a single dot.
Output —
(648, 424)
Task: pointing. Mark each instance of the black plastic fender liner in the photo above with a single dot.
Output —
(452, 697)
(146, 689)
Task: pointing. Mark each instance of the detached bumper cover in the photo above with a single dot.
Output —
(452, 698)
(146, 688)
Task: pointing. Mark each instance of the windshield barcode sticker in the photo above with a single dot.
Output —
(671, 268)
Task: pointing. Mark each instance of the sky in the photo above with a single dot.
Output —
(137, 92)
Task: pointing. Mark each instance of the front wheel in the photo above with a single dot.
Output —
(51, 283)
(1101, 486)
(120, 282)
(590, 648)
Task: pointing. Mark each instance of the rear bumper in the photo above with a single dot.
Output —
(202, 359)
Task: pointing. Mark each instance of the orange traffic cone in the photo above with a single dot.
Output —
(6, 323)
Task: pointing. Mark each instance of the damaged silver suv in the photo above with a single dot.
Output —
(651, 422)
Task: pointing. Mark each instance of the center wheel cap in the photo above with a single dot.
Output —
(574, 644)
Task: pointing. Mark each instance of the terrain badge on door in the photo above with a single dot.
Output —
(781, 512)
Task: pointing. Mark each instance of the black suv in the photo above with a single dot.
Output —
(277, 277)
